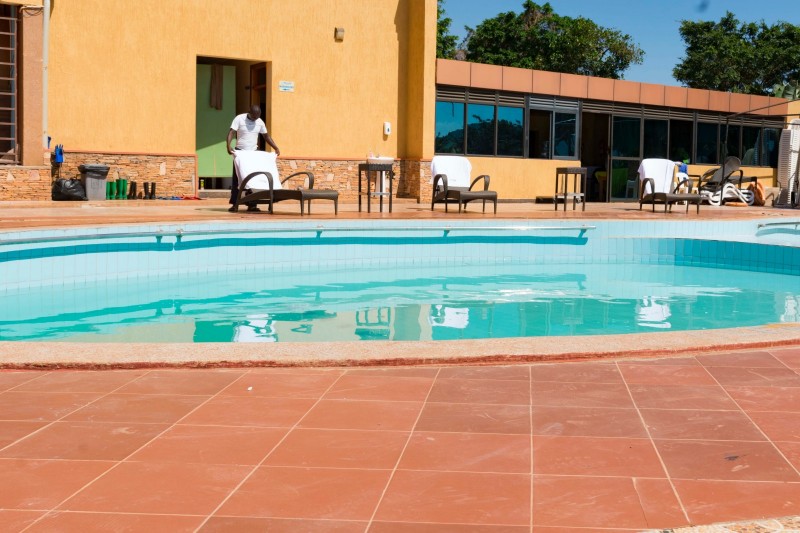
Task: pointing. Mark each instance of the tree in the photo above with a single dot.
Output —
(540, 39)
(729, 55)
(445, 42)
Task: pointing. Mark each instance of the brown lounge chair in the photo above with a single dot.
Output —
(451, 183)
(260, 183)
(656, 177)
(719, 185)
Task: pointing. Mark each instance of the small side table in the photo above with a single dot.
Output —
(578, 175)
(367, 169)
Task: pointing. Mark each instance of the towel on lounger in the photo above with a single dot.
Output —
(249, 161)
(457, 169)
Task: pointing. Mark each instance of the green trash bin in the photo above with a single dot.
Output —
(94, 180)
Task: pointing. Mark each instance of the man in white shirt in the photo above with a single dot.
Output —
(246, 127)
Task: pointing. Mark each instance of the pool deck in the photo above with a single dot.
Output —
(613, 433)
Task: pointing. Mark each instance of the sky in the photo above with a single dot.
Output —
(652, 24)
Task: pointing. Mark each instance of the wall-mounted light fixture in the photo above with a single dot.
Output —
(338, 34)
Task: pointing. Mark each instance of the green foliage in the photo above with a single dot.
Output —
(787, 90)
(730, 55)
(540, 39)
(445, 42)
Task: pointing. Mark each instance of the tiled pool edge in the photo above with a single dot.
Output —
(41, 355)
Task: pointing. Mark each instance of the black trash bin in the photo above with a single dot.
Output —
(94, 180)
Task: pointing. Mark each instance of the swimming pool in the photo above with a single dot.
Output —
(395, 280)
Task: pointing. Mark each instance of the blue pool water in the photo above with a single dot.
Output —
(346, 282)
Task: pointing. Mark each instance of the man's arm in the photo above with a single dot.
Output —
(270, 142)
(231, 133)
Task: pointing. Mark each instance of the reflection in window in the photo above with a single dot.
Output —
(626, 137)
(449, 128)
(510, 132)
(655, 138)
(480, 129)
(707, 138)
(680, 140)
(564, 135)
(751, 140)
(539, 134)
(731, 140)
(772, 137)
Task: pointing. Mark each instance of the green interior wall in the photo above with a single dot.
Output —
(212, 126)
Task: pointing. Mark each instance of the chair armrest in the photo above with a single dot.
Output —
(306, 175)
(440, 177)
(485, 179)
(685, 182)
(253, 174)
(643, 188)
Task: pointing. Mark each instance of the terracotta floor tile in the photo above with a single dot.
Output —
(706, 425)
(777, 425)
(399, 371)
(730, 460)
(85, 440)
(335, 494)
(159, 489)
(279, 385)
(590, 456)
(468, 452)
(561, 529)
(280, 525)
(707, 502)
(493, 391)
(182, 382)
(133, 408)
(666, 375)
(84, 381)
(506, 373)
(350, 414)
(15, 430)
(790, 450)
(457, 497)
(35, 406)
(660, 361)
(10, 379)
(790, 357)
(333, 448)
(554, 394)
(381, 388)
(239, 411)
(106, 522)
(766, 398)
(741, 359)
(43, 484)
(211, 445)
(755, 377)
(577, 373)
(601, 501)
(13, 520)
(682, 397)
(475, 418)
(587, 422)
(406, 527)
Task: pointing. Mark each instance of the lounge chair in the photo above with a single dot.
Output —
(451, 175)
(656, 177)
(718, 186)
(260, 183)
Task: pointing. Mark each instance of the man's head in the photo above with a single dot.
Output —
(255, 112)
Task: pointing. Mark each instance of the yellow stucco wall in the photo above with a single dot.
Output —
(122, 74)
(519, 178)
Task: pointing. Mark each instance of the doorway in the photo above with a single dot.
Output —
(595, 133)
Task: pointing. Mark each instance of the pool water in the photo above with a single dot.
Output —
(402, 303)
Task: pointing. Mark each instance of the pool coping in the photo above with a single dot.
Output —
(76, 355)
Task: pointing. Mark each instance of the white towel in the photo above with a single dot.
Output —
(661, 171)
(458, 169)
(249, 161)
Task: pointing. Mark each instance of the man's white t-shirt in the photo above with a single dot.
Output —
(247, 131)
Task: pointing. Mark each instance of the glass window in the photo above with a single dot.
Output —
(655, 138)
(751, 141)
(539, 134)
(510, 131)
(625, 142)
(731, 140)
(480, 129)
(771, 138)
(566, 126)
(449, 128)
(680, 140)
(707, 139)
